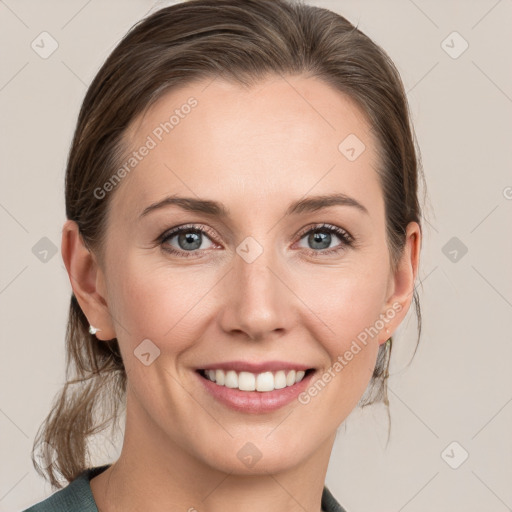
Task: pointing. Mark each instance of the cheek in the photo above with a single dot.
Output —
(349, 302)
(153, 302)
(351, 308)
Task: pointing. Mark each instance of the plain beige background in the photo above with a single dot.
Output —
(454, 400)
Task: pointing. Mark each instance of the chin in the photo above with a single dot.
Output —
(249, 460)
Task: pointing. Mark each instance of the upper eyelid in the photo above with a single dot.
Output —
(186, 227)
(204, 228)
(327, 227)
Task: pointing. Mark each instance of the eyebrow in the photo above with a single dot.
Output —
(214, 208)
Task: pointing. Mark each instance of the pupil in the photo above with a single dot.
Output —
(323, 238)
(190, 238)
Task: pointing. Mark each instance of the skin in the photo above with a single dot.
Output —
(255, 150)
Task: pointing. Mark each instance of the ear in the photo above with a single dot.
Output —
(87, 280)
(401, 282)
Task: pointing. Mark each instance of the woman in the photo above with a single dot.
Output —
(243, 239)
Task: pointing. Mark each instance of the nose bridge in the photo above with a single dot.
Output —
(252, 266)
(259, 299)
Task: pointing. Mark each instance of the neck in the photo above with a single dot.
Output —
(155, 473)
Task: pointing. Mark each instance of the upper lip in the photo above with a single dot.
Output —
(264, 366)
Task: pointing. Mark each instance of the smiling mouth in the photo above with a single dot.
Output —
(248, 381)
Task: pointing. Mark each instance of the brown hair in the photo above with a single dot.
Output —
(242, 41)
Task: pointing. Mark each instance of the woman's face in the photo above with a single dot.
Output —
(254, 283)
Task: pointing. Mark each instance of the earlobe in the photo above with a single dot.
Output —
(84, 274)
(403, 280)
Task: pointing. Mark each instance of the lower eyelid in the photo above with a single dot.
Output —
(341, 246)
(168, 237)
(344, 237)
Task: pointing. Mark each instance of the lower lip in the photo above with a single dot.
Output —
(255, 402)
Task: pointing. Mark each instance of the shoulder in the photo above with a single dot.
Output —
(329, 502)
(76, 496)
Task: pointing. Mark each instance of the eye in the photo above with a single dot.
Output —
(185, 240)
(188, 240)
(320, 237)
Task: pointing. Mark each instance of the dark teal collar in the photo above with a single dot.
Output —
(78, 496)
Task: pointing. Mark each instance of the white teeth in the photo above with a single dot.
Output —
(247, 381)
(265, 382)
(280, 380)
(219, 377)
(231, 380)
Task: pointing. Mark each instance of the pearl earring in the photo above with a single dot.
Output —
(93, 330)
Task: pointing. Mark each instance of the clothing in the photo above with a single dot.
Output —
(77, 496)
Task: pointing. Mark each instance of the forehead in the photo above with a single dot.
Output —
(283, 137)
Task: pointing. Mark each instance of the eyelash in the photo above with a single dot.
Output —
(346, 238)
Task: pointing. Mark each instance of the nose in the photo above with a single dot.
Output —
(256, 300)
